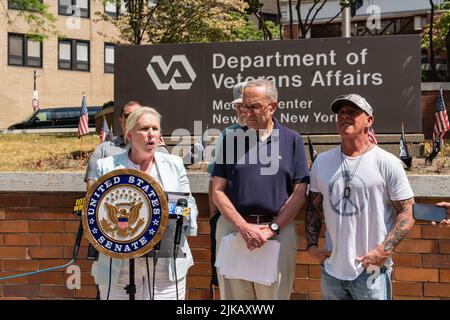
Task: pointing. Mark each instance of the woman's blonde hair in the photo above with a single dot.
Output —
(136, 115)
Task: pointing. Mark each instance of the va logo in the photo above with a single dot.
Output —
(178, 64)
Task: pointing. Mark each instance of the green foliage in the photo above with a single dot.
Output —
(177, 21)
(444, 6)
(343, 3)
(185, 21)
(441, 27)
(253, 6)
(250, 32)
(35, 14)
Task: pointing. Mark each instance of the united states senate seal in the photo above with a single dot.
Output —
(125, 214)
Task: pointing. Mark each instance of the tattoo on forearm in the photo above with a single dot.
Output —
(403, 205)
(313, 218)
(402, 227)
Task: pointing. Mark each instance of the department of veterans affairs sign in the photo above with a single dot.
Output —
(193, 82)
(125, 214)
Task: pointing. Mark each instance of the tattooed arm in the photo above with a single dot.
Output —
(402, 225)
(313, 218)
(313, 225)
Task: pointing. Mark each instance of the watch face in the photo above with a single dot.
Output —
(274, 227)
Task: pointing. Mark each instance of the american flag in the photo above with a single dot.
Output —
(83, 123)
(404, 153)
(104, 131)
(441, 124)
(372, 137)
(161, 140)
(110, 136)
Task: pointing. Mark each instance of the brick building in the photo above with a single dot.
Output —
(394, 17)
(82, 61)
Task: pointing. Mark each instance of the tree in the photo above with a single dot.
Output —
(291, 21)
(184, 21)
(36, 14)
(435, 36)
(251, 32)
(177, 21)
(133, 22)
(255, 8)
(304, 25)
(279, 19)
(430, 35)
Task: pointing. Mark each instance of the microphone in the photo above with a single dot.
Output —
(77, 242)
(77, 211)
(176, 210)
(182, 203)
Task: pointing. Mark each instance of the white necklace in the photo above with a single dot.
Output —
(347, 178)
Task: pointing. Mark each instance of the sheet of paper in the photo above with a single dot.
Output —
(235, 261)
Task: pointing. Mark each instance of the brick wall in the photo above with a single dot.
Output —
(37, 231)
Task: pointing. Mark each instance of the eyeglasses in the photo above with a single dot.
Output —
(125, 115)
(253, 109)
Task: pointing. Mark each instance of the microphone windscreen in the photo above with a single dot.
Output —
(182, 202)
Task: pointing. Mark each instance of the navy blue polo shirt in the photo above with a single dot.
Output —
(261, 174)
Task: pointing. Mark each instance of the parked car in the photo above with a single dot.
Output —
(56, 118)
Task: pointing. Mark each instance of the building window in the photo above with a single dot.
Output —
(74, 7)
(325, 30)
(114, 9)
(387, 27)
(73, 55)
(24, 51)
(15, 5)
(109, 58)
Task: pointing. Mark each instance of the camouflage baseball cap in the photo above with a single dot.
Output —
(353, 99)
(238, 90)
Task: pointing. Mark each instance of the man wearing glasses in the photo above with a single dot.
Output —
(115, 146)
(257, 203)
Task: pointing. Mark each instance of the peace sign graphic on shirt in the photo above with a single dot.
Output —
(357, 200)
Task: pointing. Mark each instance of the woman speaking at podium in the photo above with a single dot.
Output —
(143, 131)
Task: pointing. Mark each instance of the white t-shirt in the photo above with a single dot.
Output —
(357, 224)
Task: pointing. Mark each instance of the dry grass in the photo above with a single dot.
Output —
(45, 152)
(61, 152)
(440, 164)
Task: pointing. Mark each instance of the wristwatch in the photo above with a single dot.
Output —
(274, 227)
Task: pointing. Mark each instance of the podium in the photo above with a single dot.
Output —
(127, 215)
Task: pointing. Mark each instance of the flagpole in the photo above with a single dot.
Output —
(81, 148)
(81, 152)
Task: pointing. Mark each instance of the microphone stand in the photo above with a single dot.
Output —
(155, 261)
(131, 287)
(77, 212)
(177, 240)
(76, 246)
